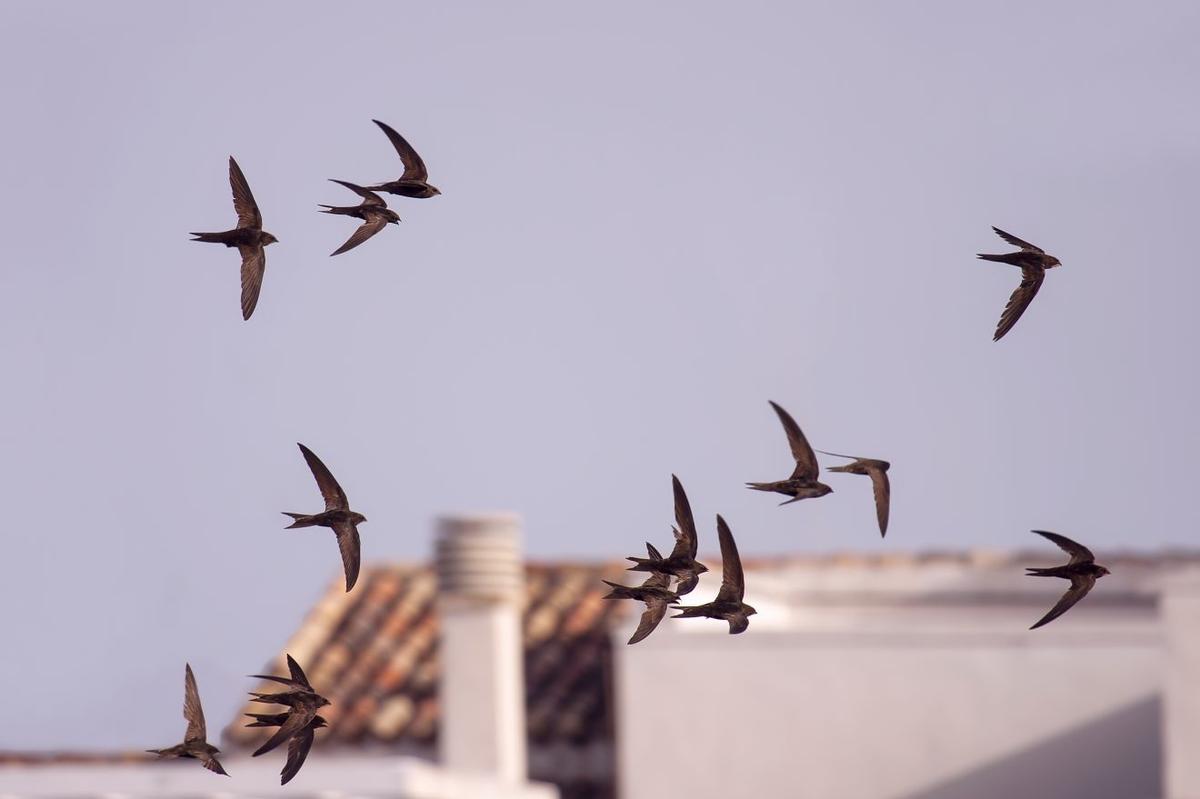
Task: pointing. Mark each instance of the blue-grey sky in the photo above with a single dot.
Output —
(656, 217)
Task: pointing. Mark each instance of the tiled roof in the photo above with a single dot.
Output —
(374, 654)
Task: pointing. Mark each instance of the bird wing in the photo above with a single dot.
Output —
(653, 552)
(657, 580)
(283, 680)
(651, 616)
(296, 721)
(254, 264)
(1031, 281)
(1014, 241)
(297, 673)
(192, 711)
(297, 752)
(211, 763)
(733, 582)
(1078, 552)
(839, 455)
(686, 540)
(351, 548)
(369, 197)
(414, 167)
(883, 496)
(685, 585)
(365, 231)
(335, 497)
(243, 199)
(806, 459)
(1080, 585)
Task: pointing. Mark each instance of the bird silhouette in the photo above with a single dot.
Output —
(415, 180)
(1033, 262)
(302, 700)
(682, 563)
(877, 470)
(298, 744)
(803, 483)
(728, 605)
(372, 210)
(337, 516)
(195, 744)
(1081, 570)
(657, 595)
(248, 237)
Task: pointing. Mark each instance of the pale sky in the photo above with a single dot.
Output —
(655, 218)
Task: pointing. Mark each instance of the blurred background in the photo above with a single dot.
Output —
(655, 218)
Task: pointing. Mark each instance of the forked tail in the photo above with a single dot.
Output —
(299, 520)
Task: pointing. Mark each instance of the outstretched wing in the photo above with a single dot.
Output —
(733, 582)
(369, 197)
(1080, 585)
(883, 496)
(364, 231)
(686, 540)
(1031, 281)
(297, 672)
(296, 721)
(806, 459)
(414, 167)
(191, 708)
(1014, 241)
(243, 199)
(254, 265)
(297, 752)
(211, 763)
(1078, 552)
(334, 496)
(350, 546)
(651, 616)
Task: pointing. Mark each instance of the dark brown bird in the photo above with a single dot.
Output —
(415, 180)
(299, 744)
(1081, 570)
(302, 699)
(337, 516)
(1033, 262)
(877, 471)
(372, 210)
(195, 744)
(803, 483)
(657, 595)
(728, 605)
(248, 237)
(682, 563)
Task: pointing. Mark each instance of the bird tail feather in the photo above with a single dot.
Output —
(299, 520)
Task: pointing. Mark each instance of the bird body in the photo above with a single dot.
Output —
(877, 470)
(681, 563)
(195, 744)
(657, 595)
(415, 180)
(337, 516)
(728, 604)
(803, 484)
(1081, 570)
(249, 237)
(372, 210)
(1033, 262)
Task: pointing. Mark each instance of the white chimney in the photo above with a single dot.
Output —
(482, 695)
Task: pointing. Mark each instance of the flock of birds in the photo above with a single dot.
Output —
(298, 723)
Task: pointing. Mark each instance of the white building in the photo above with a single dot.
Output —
(881, 677)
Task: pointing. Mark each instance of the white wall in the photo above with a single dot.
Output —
(903, 711)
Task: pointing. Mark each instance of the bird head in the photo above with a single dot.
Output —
(700, 568)
(822, 490)
(434, 189)
(357, 518)
(1101, 571)
(748, 610)
(267, 238)
(318, 722)
(1052, 262)
(323, 702)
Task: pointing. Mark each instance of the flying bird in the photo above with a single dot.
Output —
(248, 237)
(299, 744)
(337, 516)
(657, 595)
(372, 210)
(803, 483)
(195, 744)
(415, 180)
(1033, 262)
(682, 563)
(877, 471)
(1081, 570)
(302, 699)
(728, 605)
